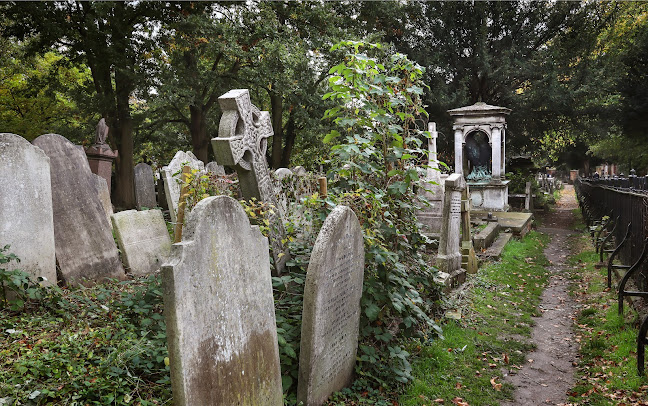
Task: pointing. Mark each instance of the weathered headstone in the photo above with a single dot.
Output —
(432, 189)
(171, 174)
(241, 143)
(143, 239)
(299, 171)
(282, 173)
(85, 249)
(26, 222)
(331, 315)
(104, 195)
(144, 186)
(449, 258)
(215, 168)
(219, 311)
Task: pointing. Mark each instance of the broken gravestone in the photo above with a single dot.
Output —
(26, 219)
(144, 186)
(331, 315)
(219, 311)
(172, 178)
(241, 143)
(143, 239)
(85, 249)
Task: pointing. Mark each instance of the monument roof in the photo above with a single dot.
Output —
(479, 108)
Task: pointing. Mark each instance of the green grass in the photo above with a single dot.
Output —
(493, 334)
(607, 370)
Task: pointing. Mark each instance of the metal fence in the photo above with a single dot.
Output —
(625, 201)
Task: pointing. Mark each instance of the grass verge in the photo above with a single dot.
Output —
(607, 371)
(492, 335)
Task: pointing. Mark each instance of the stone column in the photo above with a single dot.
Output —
(504, 151)
(433, 173)
(496, 144)
(100, 158)
(449, 258)
(458, 147)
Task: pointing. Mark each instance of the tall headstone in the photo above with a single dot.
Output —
(104, 195)
(449, 258)
(143, 239)
(331, 315)
(172, 177)
(432, 189)
(26, 220)
(219, 311)
(85, 249)
(241, 143)
(144, 186)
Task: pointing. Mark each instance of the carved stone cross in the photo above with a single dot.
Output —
(241, 143)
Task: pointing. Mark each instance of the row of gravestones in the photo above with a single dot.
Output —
(55, 211)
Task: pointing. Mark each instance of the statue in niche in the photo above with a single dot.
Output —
(478, 152)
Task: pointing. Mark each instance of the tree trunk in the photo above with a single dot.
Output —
(290, 141)
(199, 137)
(124, 165)
(276, 104)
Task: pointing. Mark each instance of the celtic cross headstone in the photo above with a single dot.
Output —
(242, 141)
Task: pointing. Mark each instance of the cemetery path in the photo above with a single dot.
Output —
(548, 373)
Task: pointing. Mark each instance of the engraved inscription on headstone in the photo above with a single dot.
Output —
(219, 310)
(331, 315)
(241, 143)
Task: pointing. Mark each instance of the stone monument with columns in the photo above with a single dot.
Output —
(480, 139)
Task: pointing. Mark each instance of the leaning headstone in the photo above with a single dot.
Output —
(104, 195)
(331, 315)
(85, 249)
(144, 186)
(143, 239)
(219, 311)
(449, 258)
(299, 170)
(171, 174)
(215, 168)
(241, 143)
(26, 220)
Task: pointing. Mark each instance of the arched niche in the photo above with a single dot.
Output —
(477, 152)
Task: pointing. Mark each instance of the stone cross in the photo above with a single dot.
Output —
(449, 258)
(242, 141)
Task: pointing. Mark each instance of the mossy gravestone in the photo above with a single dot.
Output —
(85, 249)
(219, 310)
(331, 315)
(26, 222)
(144, 186)
(143, 239)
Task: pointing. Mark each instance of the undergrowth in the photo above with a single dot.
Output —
(489, 331)
(607, 370)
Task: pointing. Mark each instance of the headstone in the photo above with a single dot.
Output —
(104, 195)
(241, 143)
(161, 193)
(143, 239)
(219, 311)
(26, 220)
(215, 168)
(282, 173)
(171, 174)
(449, 258)
(299, 170)
(331, 315)
(432, 189)
(144, 186)
(469, 260)
(85, 249)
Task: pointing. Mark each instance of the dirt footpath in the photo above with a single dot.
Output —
(549, 371)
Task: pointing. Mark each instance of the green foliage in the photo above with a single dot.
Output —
(16, 286)
(378, 95)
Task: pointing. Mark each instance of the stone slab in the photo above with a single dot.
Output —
(104, 195)
(495, 250)
(143, 239)
(485, 237)
(26, 217)
(519, 223)
(144, 186)
(172, 177)
(85, 249)
(219, 311)
(331, 315)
